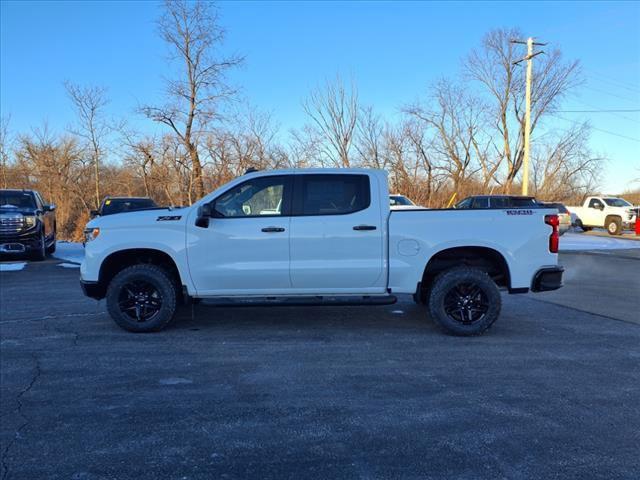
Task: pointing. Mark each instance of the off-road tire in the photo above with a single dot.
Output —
(613, 225)
(41, 253)
(52, 248)
(447, 282)
(158, 278)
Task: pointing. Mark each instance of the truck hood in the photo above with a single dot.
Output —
(140, 218)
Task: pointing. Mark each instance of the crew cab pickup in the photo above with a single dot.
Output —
(614, 214)
(27, 224)
(317, 236)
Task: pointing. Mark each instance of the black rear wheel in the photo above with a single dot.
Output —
(464, 301)
(142, 298)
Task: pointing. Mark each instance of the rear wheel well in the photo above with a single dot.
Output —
(486, 259)
(118, 261)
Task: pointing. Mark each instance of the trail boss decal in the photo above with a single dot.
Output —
(168, 218)
(519, 212)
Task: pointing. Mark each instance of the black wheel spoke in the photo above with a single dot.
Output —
(140, 300)
(466, 302)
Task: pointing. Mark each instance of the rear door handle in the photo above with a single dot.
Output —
(273, 229)
(365, 227)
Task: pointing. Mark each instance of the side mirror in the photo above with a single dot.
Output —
(49, 208)
(94, 213)
(204, 213)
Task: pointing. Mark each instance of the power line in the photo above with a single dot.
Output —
(612, 94)
(599, 129)
(613, 81)
(597, 111)
(595, 107)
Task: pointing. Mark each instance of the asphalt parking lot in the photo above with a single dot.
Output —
(551, 391)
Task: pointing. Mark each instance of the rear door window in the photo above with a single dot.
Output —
(480, 202)
(332, 194)
(522, 202)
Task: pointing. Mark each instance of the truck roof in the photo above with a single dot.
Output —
(318, 170)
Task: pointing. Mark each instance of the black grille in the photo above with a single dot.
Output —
(9, 225)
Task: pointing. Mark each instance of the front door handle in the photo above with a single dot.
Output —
(273, 229)
(365, 227)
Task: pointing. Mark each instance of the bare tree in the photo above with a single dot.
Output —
(564, 168)
(89, 103)
(493, 67)
(334, 114)
(456, 120)
(4, 150)
(369, 141)
(194, 36)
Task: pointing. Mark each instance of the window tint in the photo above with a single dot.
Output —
(617, 202)
(253, 198)
(466, 203)
(396, 200)
(118, 205)
(499, 202)
(561, 208)
(480, 202)
(522, 202)
(13, 199)
(39, 201)
(334, 194)
(593, 202)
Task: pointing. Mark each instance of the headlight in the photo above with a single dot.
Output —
(29, 221)
(91, 234)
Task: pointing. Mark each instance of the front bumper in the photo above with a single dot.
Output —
(546, 279)
(20, 242)
(92, 289)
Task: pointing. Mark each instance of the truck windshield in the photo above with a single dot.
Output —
(17, 200)
(395, 200)
(617, 202)
(118, 205)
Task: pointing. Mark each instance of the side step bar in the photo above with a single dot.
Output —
(301, 301)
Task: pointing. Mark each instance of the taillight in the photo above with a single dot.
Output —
(554, 238)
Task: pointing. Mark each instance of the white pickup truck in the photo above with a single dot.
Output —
(614, 214)
(317, 236)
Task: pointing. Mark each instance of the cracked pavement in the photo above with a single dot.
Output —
(330, 392)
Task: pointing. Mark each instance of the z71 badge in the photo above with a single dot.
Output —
(168, 218)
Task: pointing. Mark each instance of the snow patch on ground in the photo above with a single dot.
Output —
(12, 267)
(70, 251)
(69, 265)
(579, 241)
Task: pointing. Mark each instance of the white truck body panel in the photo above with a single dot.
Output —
(319, 255)
(518, 238)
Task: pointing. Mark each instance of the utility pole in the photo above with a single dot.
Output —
(527, 116)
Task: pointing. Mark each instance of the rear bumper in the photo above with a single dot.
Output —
(92, 289)
(546, 279)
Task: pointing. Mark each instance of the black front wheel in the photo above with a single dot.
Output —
(52, 248)
(142, 298)
(40, 253)
(464, 301)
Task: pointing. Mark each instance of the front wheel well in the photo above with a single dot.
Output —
(118, 261)
(484, 258)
